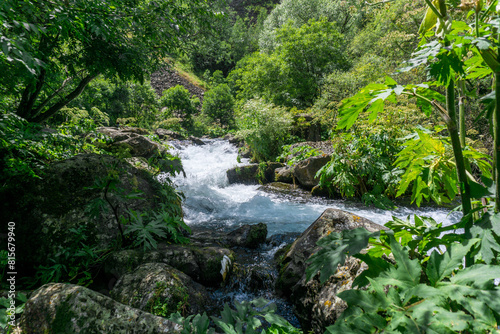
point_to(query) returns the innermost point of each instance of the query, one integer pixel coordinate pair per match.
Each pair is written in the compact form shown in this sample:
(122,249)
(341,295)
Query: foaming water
(212,202)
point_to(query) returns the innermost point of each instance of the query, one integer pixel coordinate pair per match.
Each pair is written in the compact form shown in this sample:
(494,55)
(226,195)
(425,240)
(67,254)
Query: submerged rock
(68,309)
(253,173)
(160,289)
(317,305)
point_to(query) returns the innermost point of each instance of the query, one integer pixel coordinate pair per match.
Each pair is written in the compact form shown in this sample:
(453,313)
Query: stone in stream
(305,170)
(70,309)
(249,236)
(317,305)
(202,264)
(133,140)
(160,289)
(253,173)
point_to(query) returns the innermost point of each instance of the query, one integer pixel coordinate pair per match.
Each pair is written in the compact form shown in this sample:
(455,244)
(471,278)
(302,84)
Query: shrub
(264,127)
(362,167)
(178,101)
(218,104)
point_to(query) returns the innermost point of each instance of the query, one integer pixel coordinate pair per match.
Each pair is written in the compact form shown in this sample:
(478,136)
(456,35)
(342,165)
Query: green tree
(56,48)
(291,75)
(218,104)
(298,12)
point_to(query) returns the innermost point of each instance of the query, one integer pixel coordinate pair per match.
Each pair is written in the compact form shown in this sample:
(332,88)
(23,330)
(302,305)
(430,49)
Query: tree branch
(67,99)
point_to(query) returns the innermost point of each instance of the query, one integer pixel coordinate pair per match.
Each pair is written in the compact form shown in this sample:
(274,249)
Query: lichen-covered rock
(58,308)
(316,305)
(284,174)
(168,134)
(249,236)
(130,139)
(59,203)
(305,170)
(160,289)
(188,259)
(253,173)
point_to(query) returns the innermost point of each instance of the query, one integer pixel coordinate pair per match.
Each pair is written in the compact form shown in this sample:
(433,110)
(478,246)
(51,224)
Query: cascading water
(212,202)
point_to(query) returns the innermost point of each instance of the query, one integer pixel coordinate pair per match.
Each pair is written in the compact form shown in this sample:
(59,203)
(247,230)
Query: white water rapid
(212,202)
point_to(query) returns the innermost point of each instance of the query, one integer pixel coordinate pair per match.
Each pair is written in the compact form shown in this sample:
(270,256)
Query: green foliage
(412,284)
(75,116)
(119,99)
(57,48)
(20,300)
(362,166)
(26,148)
(179,102)
(293,155)
(74,262)
(264,127)
(291,74)
(298,12)
(147,228)
(218,104)
(233,38)
(246,318)
(430,167)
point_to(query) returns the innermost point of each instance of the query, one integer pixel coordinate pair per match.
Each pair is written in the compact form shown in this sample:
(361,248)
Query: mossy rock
(254,173)
(160,289)
(58,308)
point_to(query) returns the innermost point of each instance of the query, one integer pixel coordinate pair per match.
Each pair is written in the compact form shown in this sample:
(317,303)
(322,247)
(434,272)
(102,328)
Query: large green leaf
(335,248)
(480,276)
(488,230)
(376,265)
(407,273)
(440,266)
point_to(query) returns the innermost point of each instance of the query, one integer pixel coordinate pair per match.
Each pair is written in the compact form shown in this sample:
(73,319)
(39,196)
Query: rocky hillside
(167,78)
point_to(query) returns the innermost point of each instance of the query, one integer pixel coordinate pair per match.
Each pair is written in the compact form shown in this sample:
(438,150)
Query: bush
(218,104)
(362,167)
(264,127)
(178,101)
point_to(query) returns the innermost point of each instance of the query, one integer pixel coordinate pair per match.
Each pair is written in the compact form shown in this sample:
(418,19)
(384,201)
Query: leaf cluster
(416,281)
(247,317)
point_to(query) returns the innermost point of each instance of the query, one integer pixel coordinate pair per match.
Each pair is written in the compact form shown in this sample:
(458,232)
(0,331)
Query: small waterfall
(211,201)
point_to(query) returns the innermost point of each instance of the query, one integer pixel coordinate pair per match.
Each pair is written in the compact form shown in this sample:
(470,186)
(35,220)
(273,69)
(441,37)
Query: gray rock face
(69,309)
(253,173)
(305,170)
(132,139)
(284,174)
(202,264)
(317,305)
(250,236)
(168,134)
(160,289)
(58,203)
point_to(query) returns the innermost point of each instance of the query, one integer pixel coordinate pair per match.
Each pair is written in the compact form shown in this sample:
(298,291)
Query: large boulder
(168,134)
(133,141)
(202,264)
(305,170)
(317,305)
(160,289)
(68,309)
(253,173)
(58,204)
(284,174)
